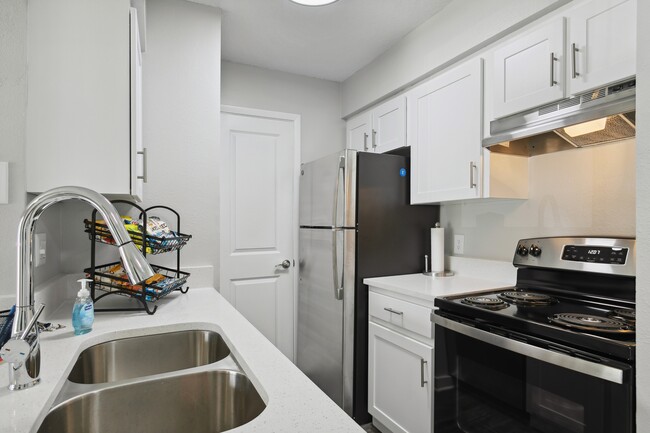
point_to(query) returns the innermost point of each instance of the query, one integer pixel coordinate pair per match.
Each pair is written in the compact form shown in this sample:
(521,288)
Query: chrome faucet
(23,351)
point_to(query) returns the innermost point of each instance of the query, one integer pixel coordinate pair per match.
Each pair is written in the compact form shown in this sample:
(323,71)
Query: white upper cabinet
(379,130)
(389,125)
(138,152)
(84,102)
(602,38)
(550,63)
(358,131)
(444,129)
(529,71)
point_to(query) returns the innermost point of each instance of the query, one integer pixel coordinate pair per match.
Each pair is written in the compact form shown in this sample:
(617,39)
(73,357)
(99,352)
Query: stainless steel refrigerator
(355,223)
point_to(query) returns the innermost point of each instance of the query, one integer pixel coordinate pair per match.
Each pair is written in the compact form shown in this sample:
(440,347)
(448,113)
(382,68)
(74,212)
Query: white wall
(461,28)
(13,94)
(643,217)
(317,101)
(581,192)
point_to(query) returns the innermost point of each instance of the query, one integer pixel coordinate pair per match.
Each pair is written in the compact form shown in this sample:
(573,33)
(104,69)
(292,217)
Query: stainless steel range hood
(601,116)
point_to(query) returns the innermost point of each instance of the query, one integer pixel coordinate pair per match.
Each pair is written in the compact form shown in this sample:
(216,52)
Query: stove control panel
(595,254)
(615,256)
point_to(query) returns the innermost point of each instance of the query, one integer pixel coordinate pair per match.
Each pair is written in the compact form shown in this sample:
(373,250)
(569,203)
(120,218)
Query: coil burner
(624,314)
(528,299)
(485,302)
(591,323)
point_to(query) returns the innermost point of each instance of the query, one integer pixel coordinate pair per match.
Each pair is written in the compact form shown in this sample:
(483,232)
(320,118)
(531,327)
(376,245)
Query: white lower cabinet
(399,376)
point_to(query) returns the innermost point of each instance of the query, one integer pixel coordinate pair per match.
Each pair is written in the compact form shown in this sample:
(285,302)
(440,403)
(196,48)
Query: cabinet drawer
(405,314)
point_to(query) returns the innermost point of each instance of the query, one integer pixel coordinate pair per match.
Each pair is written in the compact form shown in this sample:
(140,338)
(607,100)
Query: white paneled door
(259,172)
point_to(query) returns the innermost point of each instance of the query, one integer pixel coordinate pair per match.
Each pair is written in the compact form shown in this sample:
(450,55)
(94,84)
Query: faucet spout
(135,265)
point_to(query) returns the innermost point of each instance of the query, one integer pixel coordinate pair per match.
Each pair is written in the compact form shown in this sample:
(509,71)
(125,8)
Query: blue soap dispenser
(83,312)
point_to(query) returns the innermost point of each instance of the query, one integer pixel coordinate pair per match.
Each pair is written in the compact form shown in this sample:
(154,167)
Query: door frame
(224,207)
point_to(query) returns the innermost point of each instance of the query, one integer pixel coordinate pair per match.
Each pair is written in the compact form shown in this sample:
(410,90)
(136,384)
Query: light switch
(4,182)
(40,249)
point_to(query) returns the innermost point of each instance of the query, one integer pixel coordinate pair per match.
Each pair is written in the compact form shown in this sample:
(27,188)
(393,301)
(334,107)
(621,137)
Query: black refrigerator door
(392,239)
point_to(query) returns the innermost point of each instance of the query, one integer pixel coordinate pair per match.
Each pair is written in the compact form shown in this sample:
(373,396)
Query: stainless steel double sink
(185,381)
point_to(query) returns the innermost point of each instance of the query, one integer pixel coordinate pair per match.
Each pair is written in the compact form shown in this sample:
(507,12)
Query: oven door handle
(604,372)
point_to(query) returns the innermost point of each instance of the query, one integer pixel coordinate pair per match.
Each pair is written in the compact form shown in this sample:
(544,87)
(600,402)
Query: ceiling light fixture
(313,2)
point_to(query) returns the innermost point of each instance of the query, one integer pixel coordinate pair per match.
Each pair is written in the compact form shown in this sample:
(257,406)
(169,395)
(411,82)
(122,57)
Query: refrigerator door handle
(335,208)
(338,288)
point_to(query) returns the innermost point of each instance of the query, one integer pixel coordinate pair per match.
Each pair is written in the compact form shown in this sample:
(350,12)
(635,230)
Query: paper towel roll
(437,249)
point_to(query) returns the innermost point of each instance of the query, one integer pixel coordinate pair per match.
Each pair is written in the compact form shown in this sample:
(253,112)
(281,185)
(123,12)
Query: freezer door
(328,191)
(325,336)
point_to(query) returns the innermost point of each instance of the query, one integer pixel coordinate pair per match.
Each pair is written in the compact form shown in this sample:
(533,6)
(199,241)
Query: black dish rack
(102,279)
(5,326)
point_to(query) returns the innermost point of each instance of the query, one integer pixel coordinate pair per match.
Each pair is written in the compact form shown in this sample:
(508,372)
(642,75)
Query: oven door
(488,383)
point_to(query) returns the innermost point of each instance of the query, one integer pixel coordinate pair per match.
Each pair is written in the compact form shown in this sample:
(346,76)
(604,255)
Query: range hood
(600,116)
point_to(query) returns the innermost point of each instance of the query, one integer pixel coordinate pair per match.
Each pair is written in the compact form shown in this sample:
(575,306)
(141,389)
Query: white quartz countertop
(423,289)
(294,403)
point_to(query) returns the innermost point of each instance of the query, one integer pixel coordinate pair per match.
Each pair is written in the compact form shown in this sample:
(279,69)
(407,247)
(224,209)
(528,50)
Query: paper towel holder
(439,274)
(435,274)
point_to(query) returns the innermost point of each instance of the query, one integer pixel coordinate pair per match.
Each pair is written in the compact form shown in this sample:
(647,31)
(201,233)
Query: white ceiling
(330,42)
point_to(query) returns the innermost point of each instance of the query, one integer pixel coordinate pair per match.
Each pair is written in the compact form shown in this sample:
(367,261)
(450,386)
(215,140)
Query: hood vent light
(607,130)
(600,116)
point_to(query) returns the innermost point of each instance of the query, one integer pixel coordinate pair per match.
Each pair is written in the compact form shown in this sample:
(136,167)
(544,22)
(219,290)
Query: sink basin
(209,401)
(130,358)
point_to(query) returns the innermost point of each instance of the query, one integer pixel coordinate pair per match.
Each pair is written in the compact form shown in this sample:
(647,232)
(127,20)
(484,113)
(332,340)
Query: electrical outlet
(40,249)
(459,244)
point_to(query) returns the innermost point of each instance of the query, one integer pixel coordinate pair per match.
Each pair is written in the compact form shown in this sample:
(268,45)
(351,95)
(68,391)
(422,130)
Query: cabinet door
(78,119)
(444,129)
(602,38)
(389,125)
(358,132)
(138,175)
(399,381)
(529,71)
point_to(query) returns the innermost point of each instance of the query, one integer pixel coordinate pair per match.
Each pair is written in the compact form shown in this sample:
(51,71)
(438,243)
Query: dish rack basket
(5,321)
(102,280)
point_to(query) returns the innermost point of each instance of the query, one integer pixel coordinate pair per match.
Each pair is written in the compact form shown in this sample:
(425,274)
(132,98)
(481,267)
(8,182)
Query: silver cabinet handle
(574,70)
(143,152)
(472,182)
(284,265)
(365,141)
(374,139)
(390,310)
(553,60)
(422,381)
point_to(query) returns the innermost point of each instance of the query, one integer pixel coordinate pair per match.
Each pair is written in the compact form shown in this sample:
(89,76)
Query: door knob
(284,265)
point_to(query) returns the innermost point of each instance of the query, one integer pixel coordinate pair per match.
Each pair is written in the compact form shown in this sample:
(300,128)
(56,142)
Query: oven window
(481,388)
